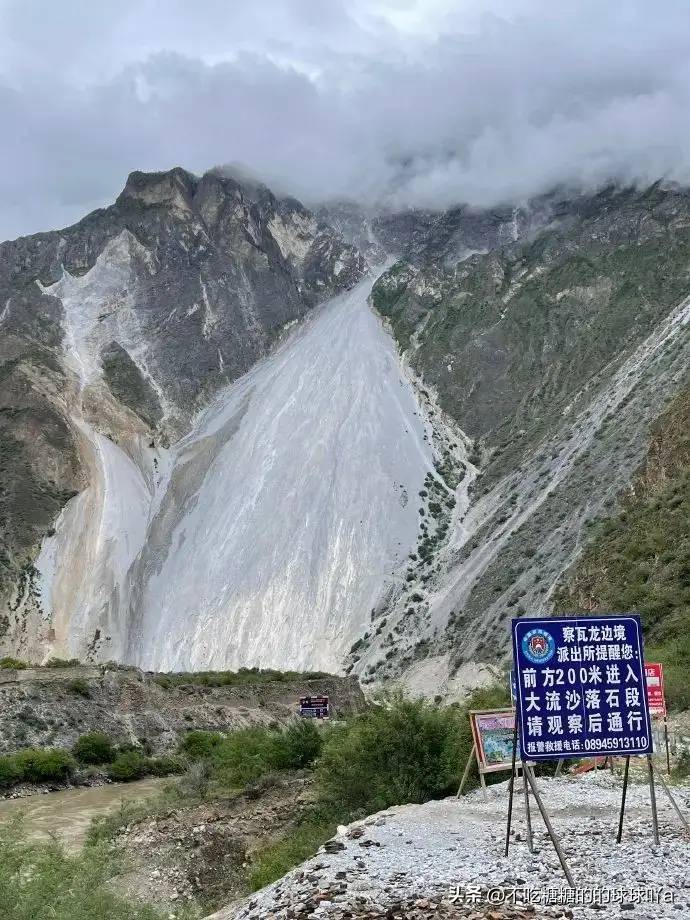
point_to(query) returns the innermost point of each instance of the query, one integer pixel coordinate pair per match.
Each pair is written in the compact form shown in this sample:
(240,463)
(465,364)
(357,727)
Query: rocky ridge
(52,707)
(555,353)
(115,332)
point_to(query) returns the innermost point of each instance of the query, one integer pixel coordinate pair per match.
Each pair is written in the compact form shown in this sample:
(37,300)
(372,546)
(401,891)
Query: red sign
(654,674)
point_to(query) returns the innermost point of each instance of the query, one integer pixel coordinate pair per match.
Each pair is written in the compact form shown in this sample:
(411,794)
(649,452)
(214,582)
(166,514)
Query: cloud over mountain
(419,102)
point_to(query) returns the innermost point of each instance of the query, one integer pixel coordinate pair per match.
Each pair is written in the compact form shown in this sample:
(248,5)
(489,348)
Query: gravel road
(422,860)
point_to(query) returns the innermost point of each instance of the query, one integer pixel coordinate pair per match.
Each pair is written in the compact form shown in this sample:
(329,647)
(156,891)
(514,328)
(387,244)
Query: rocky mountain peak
(173,187)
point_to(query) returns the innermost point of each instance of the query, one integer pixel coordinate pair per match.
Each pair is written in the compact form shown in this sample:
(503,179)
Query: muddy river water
(67,814)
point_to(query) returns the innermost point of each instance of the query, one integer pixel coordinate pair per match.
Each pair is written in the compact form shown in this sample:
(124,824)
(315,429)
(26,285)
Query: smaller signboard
(493,738)
(654,675)
(314,707)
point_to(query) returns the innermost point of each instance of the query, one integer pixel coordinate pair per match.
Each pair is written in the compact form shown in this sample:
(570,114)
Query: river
(67,814)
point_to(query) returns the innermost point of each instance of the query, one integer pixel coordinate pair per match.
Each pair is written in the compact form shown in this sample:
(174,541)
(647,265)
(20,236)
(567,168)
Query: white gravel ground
(428,850)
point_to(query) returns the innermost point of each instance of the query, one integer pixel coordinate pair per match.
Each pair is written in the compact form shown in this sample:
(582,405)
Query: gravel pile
(445,859)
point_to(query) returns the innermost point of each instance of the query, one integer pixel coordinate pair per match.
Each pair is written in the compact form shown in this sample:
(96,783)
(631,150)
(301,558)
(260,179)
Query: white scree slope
(277,522)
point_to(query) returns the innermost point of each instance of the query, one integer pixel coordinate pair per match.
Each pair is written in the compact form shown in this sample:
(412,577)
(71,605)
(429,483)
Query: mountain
(115,333)
(260,435)
(555,352)
(639,558)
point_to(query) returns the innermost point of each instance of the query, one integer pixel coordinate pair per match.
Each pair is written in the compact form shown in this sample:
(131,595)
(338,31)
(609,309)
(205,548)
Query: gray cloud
(414,102)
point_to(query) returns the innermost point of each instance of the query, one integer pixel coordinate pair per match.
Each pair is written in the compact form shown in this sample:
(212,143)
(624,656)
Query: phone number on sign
(613,744)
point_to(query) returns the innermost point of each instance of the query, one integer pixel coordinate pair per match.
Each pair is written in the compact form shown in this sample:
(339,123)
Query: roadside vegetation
(40,881)
(244,676)
(395,752)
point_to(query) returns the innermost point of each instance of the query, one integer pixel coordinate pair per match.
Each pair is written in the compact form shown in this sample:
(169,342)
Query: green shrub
(40,766)
(94,748)
(128,766)
(62,663)
(298,746)
(12,664)
(165,766)
(79,687)
(199,744)
(244,756)
(243,677)
(392,754)
(402,751)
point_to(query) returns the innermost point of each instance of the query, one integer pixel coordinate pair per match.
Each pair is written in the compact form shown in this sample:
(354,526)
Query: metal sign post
(528,816)
(552,834)
(511,788)
(623,798)
(668,749)
(673,802)
(511,794)
(652,795)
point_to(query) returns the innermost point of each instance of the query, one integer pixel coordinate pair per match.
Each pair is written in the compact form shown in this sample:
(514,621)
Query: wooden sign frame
(483,761)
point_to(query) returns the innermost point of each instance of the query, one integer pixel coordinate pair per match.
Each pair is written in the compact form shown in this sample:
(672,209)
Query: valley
(277,455)
(345,460)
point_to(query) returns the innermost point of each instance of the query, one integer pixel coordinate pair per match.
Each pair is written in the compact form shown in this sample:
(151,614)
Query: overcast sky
(415,102)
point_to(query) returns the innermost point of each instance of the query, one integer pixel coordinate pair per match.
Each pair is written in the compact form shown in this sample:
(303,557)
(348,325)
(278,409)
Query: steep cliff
(555,353)
(115,333)
(639,558)
(231,464)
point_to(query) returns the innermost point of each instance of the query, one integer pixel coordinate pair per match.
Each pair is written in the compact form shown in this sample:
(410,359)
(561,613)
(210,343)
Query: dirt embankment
(199,853)
(46,707)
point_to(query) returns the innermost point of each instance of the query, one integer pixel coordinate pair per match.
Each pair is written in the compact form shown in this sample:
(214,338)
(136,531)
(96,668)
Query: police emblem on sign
(538,646)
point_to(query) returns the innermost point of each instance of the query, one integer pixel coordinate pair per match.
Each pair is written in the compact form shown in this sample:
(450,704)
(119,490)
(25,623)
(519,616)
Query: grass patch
(243,677)
(40,881)
(273,861)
